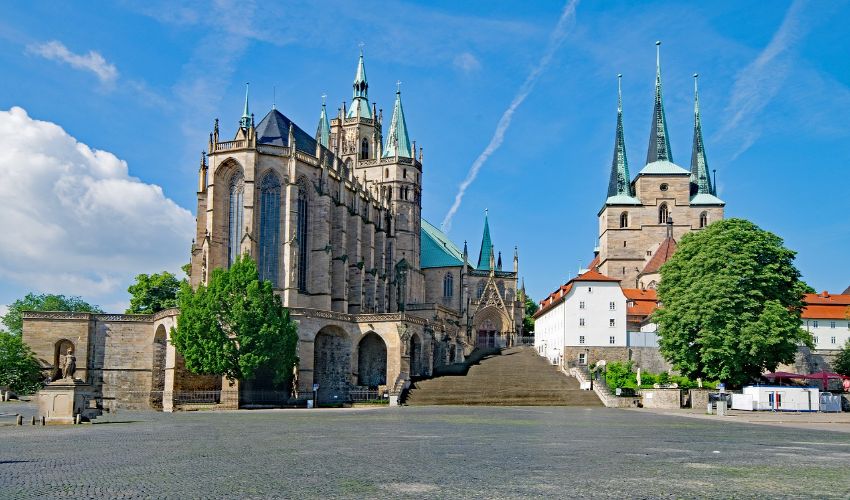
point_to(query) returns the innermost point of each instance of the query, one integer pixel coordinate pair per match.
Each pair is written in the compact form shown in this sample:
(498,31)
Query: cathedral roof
(704,193)
(486,251)
(398,142)
(323,131)
(659,139)
(360,97)
(706,199)
(663,167)
(274,129)
(437,250)
(620,185)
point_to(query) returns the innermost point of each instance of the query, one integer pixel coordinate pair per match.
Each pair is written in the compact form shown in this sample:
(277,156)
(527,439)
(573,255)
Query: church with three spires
(642,218)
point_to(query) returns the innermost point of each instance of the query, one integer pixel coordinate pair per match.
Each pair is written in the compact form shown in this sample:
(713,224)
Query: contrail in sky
(555,40)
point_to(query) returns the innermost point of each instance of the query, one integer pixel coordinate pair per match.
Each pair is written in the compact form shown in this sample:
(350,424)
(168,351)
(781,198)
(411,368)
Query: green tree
(528,319)
(235,326)
(730,300)
(153,293)
(842,361)
(20,371)
(43,302)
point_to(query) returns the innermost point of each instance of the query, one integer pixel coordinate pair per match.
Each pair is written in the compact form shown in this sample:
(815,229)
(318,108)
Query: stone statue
(69,366)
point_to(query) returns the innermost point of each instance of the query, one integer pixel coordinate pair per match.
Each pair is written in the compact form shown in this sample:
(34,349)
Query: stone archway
(332,364)
(371,361)
(61,350)
(158,367)
(415,356)
(490,328)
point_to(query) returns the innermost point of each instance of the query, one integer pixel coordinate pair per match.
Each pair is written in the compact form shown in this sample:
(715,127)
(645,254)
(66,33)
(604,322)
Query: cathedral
(333,220)
(642,218)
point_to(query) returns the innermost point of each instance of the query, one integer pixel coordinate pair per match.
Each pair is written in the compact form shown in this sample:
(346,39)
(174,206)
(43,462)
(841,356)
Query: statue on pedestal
(69,365)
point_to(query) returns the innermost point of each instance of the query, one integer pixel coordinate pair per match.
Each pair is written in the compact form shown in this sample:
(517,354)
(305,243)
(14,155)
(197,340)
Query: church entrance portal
(372,361)
(486,335)
(332,365)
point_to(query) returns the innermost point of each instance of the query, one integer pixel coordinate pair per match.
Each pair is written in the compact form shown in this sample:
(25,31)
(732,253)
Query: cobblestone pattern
(435,452)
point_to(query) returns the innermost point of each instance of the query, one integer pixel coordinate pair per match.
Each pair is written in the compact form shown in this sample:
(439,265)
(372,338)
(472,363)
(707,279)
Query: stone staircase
(513,377)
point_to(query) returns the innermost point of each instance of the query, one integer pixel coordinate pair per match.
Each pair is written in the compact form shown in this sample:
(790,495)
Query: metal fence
(368,396)
(526,340)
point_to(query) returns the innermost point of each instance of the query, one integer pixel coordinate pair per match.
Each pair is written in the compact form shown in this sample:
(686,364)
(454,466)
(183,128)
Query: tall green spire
(360,98)
(398,143)
(659,140)
(486,253)
(619,185)
(699,164)
(323,132)
(245,121)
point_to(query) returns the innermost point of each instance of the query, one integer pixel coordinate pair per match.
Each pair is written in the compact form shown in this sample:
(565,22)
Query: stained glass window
(269,228)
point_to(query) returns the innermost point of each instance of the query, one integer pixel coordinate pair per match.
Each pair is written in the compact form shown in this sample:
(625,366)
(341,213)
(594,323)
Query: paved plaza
(470,452)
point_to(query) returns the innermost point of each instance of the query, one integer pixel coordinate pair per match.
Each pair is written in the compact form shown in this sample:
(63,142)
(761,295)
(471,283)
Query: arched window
(269,228)
(703,219)
(480,289)
(301,236)
(624,219)
(448,285)
(663,214)
(386,173)
(236,204)
(364,149)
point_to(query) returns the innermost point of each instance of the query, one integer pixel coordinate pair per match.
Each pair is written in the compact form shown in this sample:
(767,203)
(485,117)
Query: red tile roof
(662,255)
(556,297)
(640,302)
(826,306)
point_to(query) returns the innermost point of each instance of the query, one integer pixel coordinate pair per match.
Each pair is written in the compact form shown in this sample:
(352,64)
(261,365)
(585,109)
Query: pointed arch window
(364,149)
(448,285)
(302,235)
(624,219)
(703,219)
(480,289)
(269,228)
(663,214)
(236,192)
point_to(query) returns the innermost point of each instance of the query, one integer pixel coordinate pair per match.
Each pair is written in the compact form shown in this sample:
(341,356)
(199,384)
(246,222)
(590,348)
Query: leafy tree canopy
(527,320)
(729,303)
(43,302)
(20,371)
(235,326)
(153,293)
(842,361)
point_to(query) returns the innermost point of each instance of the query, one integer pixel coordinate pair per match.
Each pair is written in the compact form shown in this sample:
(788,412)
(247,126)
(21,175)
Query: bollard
(721,408)
(43,421)
(20,420)
(78,418)
(708,411)
(33,420)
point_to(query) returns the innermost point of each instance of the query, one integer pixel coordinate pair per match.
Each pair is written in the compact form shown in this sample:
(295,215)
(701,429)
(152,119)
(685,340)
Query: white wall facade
(591,314)
(828,333)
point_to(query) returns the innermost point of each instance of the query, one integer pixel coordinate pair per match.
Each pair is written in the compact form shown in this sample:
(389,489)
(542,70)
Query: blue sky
(144,82)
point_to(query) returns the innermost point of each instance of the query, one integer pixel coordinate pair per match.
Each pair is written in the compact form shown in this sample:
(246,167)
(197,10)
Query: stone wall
(122,361)
(661,398)
(810,361)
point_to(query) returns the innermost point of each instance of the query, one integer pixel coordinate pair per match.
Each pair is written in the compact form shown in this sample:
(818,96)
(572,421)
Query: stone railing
(84,316)
(308,159)
(271,149)
(230,145)
(356,318)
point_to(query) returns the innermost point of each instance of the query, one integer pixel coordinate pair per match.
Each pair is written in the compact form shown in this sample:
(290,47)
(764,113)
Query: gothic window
(364,150)
(346,167)
(703,219)
(302,236)
(404,173)
(269,228)
(448,285)
(235,216)
(624,219)
(663,214)
(386,173)
(389,256)
(480,289)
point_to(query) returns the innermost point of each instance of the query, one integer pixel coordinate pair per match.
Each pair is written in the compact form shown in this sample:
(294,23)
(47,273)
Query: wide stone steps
(514,377)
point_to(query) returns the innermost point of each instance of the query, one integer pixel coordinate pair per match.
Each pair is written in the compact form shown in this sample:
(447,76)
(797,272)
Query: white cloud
(93,61)
(467,62)
(74,220)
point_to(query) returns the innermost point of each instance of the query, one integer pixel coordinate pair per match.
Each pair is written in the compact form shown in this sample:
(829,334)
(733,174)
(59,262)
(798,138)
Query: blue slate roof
(437,250)
(663,167)
(274,129)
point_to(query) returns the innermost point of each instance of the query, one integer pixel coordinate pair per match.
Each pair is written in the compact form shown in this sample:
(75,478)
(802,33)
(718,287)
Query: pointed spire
(323,132)
(245,121)
(486,253)
(398,143)
(700,180)
(360,98)
(499,262)
(619,183)
(659,140)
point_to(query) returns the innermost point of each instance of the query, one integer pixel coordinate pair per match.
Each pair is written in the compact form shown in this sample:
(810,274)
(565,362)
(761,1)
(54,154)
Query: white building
(825,317)
(587,312)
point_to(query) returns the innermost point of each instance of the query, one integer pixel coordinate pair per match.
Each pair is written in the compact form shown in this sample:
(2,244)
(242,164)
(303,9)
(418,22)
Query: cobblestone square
(470,452)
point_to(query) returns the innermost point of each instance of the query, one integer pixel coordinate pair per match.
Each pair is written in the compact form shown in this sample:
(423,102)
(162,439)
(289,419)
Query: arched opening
(236,190)
(663,214)
(158,367)
(372,361)
(703,219)
(332,364)
(269,228)
(415,356)
(624,219)
(364,149)
(302,236)
(487,334)
(61,350)
(448,285)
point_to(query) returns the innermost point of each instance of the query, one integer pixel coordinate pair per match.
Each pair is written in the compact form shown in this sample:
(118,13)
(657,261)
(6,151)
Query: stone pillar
(368,252)
(320,263)
(339,269)
(381,266)
(355,272)
(289,212)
